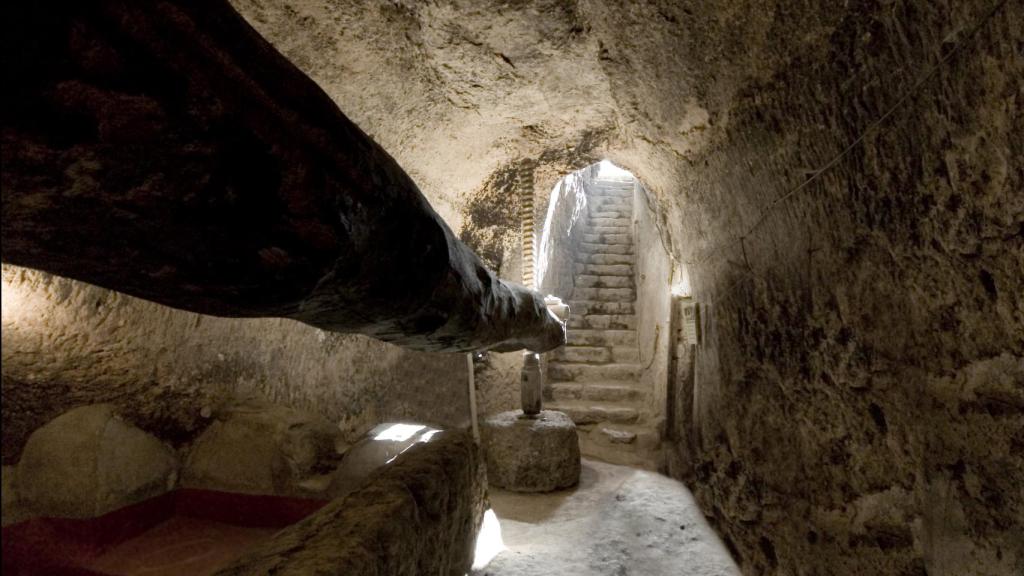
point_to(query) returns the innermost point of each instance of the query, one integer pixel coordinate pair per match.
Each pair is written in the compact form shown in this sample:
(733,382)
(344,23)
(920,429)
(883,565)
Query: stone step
(605,294)
(585,412)
(610,229)
(608,239)
(592,248)
(595,354)
(625,354)
(640,436)
(602,337)
(584,307)
(580,269)
(627,222)
(581,372)
(611,205)
(603,321)
(594,281)
(610,391)
(610,213)
(605,269)
(623,198)
(606,192)
(605,259)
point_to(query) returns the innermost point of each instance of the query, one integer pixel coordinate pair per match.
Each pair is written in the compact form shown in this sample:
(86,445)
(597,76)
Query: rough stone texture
(531,454)
(497,384)
(127,119)
(88,462)
(858,404)
(856,407)
(618,521)
(66,343)
(419,516)
(889,280)
(261,448)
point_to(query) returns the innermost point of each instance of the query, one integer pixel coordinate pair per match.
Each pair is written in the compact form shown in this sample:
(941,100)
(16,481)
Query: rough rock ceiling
(454,90)
(451,90)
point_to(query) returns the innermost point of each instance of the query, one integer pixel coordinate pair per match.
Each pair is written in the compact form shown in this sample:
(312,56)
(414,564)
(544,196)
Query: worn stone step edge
(604,269)
(585,412)
(603,321)
(601,248)
(605,294)
(600,354)
(589,372)
(604,281)
(602,391)
(613,336)
(584,306)
(605,259)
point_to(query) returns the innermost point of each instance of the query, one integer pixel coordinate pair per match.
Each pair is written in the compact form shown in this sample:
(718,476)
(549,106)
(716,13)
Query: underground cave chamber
(270,270)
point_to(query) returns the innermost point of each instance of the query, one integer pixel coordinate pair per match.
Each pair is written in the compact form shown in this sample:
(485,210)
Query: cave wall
(653,301)
(854,238)
(66,343)
(856,401)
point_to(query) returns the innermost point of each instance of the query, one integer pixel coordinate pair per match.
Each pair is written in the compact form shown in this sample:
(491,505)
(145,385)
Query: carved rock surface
(261,448)
(853,405)
(537,454)
(88,462)
(419,516)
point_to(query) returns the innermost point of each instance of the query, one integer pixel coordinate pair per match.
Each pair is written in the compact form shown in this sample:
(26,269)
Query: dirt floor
(619,521)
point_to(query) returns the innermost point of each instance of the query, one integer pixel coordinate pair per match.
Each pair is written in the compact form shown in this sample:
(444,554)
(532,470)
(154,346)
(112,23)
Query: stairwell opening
(601,252)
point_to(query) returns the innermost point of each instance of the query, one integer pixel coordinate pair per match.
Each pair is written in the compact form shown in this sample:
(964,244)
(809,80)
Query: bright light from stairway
(488,542)
(610,171)
(681,281)
(399,432)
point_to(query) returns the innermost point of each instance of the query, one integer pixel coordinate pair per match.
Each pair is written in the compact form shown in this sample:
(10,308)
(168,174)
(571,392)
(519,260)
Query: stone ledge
(419,516)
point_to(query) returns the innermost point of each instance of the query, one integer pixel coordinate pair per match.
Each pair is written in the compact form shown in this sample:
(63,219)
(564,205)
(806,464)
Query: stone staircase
(595,378)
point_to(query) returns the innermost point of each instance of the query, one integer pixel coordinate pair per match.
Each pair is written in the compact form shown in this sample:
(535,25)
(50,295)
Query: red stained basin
(187,531)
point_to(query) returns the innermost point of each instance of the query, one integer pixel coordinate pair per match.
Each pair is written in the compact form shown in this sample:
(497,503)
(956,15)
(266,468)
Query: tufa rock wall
(66,343)
(854,236)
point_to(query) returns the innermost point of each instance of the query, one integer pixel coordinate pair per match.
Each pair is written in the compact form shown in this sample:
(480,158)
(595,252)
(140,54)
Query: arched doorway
(601,252)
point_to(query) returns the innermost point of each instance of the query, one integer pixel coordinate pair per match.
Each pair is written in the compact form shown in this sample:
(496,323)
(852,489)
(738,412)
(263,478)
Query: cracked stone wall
(859,396)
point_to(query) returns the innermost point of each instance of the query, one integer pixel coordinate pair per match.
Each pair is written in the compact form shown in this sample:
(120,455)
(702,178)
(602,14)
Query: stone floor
(619,521)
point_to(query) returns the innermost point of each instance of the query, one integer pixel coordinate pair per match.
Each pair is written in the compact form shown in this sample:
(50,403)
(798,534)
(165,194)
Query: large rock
(531,454)
(88,461)
(419,516)
(262,448)
(379,447)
